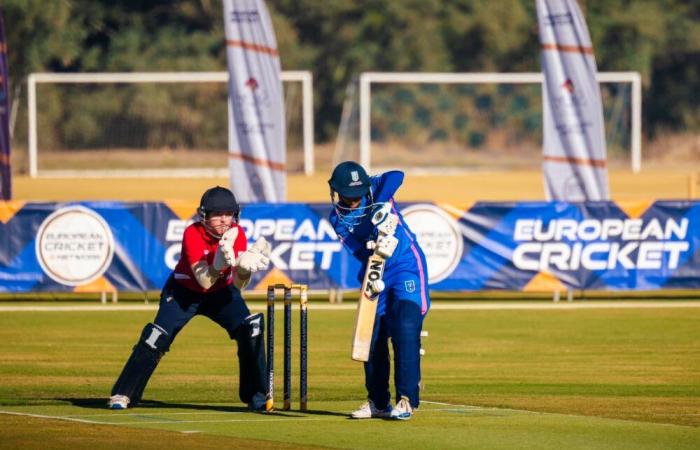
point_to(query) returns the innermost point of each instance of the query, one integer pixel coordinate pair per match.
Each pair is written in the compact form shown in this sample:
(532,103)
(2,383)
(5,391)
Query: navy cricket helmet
(350,180)
(218,199)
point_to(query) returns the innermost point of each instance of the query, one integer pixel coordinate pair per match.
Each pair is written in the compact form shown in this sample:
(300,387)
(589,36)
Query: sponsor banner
(531,246)
(96,246)
(596,245)
(5,168)
(574,149)
(257,136)
(74,246)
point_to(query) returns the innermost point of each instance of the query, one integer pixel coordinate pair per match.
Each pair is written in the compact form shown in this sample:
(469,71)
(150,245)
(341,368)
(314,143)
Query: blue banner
(530,246)
(5,167)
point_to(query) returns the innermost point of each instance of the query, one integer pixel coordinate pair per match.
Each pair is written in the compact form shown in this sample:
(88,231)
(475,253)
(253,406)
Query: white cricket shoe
(369,411)
(118,402)
(402,410)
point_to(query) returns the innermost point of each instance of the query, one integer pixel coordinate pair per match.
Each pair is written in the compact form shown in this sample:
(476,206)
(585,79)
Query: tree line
(338,39)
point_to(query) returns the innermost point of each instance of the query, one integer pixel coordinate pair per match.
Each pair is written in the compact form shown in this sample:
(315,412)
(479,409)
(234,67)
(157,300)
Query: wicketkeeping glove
(262,246)
(225,256)
(255,258)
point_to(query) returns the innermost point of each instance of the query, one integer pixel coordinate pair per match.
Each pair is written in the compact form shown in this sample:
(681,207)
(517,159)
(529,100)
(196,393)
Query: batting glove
(386,245)
(385,220)
(388,225)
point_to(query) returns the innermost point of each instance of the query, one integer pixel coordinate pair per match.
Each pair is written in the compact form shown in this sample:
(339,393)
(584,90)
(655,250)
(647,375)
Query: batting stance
(403,293)
(215,265)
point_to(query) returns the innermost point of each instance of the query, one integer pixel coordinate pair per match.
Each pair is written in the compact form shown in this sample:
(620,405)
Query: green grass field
(494,379)
(538,378)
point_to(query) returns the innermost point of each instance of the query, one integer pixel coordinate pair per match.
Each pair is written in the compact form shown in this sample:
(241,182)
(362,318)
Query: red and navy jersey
(198,245)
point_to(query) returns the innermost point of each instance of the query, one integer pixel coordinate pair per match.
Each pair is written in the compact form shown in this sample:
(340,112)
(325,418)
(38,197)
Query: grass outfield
(545,378)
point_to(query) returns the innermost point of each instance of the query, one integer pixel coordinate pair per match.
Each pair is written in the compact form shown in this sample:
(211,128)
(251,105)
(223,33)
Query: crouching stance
(215,265)
(402,293)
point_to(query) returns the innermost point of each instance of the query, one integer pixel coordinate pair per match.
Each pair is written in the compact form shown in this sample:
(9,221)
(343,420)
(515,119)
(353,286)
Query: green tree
(338,39)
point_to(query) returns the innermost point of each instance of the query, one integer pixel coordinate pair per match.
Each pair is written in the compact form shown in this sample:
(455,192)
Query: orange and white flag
(257,135)
(574,150)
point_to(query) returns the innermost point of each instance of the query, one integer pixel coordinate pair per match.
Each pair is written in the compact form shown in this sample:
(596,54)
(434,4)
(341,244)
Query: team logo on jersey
(74,246)
(410,285)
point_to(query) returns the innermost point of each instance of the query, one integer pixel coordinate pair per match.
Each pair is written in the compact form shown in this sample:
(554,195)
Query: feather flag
(574,149)
(257,136)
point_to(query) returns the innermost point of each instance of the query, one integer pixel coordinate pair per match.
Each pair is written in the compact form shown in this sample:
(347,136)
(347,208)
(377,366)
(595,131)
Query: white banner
(257,136)
(574,151)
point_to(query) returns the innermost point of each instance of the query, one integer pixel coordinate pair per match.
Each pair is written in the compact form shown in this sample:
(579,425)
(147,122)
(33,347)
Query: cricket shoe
(402,410)
(258,402)
(118,402)
(369,411)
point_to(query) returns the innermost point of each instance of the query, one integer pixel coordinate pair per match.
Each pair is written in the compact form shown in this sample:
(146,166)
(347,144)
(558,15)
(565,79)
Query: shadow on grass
(144,405)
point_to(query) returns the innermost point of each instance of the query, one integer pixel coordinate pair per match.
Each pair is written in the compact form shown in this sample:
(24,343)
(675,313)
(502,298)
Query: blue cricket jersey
(405,272)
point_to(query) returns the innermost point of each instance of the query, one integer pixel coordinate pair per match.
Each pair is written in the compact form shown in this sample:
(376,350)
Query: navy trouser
(402,322)
(178,305)
(226,307)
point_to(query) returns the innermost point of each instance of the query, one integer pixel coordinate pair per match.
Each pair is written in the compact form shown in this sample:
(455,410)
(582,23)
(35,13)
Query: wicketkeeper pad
(251,357)
(144,359)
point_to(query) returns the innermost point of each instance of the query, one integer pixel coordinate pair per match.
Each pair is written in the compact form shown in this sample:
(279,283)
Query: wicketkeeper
(403,293)
(215,265)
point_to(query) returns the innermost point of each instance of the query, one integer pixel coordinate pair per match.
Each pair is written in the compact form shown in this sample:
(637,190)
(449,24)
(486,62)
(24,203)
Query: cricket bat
(386,222)
(366,310)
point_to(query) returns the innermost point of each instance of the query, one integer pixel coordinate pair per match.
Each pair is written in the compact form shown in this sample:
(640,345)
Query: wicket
(303,344)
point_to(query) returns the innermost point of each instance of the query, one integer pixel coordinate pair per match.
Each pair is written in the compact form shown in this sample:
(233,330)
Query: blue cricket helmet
(350,180)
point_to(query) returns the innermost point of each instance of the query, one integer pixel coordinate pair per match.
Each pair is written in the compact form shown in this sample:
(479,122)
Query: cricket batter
(215,265)
(403,300)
